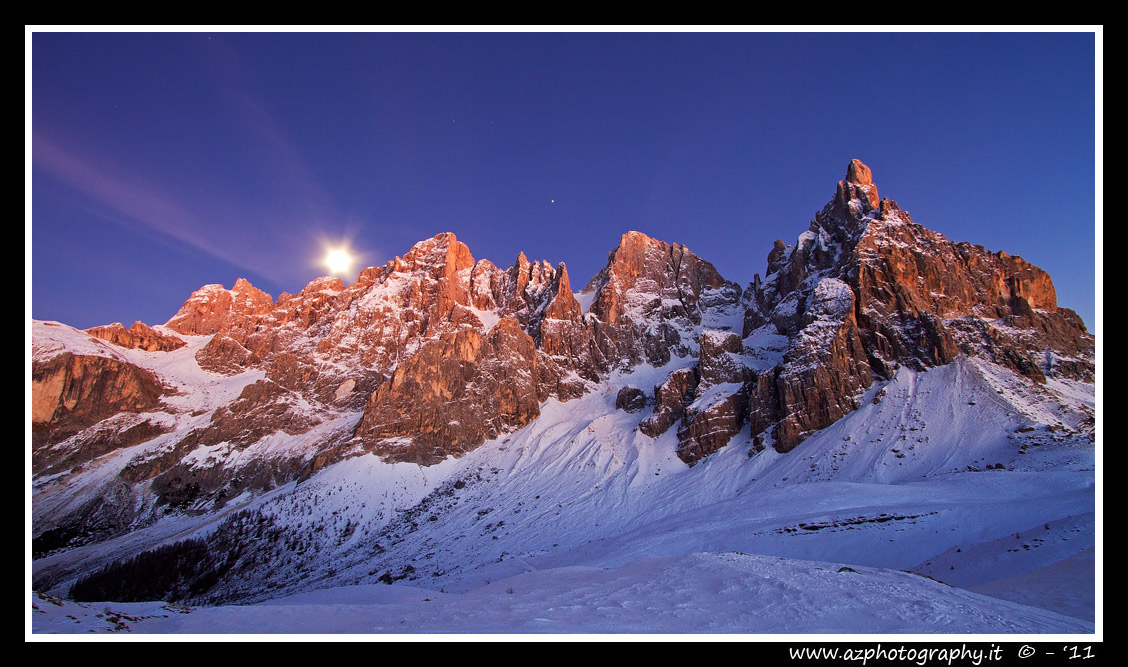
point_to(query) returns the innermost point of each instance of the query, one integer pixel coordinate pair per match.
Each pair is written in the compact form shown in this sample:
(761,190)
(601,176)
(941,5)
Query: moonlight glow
(338,260)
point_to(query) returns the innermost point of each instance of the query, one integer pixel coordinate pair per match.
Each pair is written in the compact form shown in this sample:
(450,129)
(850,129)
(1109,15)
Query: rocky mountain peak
(865,290)
(213,308)
(526,282)
(441,255)
(564,305)
(250,300)
(645,278)
(856,197)
(324,283)
(857,172)
(242,285)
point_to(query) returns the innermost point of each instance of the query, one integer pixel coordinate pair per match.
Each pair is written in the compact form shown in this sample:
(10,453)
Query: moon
(338,261)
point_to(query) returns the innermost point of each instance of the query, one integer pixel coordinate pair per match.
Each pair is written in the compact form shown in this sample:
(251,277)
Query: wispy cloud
(140,201)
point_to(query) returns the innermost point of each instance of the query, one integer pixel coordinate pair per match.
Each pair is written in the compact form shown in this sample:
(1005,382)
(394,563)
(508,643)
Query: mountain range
(883,400)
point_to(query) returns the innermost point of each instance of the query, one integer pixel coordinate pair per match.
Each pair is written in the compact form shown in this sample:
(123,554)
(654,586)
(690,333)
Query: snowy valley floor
(697,593)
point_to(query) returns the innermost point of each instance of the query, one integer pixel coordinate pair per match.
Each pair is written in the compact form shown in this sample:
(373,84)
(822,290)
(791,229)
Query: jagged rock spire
(858,172)
(858,186)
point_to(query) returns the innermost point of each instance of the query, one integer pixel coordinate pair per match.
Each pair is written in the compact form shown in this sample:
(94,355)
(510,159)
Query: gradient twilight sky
(162,162)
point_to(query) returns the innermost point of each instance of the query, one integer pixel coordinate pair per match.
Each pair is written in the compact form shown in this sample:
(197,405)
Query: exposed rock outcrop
(212,308)
(225,356)
(630,399)
(719,359)
(139,336)
(710,423)
(718,407)
(648,301)
(71,392)
(117,432)
(646,279)
(670,401)
(452,395)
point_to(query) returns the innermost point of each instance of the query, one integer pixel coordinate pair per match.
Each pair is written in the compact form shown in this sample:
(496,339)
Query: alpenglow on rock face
(865,289)
(435,353)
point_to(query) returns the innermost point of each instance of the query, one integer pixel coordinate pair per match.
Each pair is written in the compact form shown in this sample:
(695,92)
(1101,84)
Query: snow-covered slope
(581,490)
(695,593)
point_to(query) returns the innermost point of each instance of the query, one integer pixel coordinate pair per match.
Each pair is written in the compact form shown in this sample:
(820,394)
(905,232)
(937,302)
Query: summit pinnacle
(858,172)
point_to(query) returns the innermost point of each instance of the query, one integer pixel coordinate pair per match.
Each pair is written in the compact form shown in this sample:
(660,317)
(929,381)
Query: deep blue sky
(166,161)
